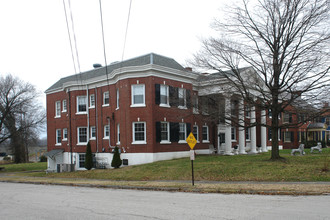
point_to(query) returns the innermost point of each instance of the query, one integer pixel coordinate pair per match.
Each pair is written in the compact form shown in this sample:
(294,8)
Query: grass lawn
(311,167)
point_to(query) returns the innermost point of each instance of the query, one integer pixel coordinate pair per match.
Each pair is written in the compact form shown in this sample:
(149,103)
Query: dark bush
(89,157)
(116,161)
(43,158)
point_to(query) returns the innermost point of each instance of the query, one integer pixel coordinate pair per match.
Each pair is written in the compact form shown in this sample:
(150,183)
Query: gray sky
(34,43)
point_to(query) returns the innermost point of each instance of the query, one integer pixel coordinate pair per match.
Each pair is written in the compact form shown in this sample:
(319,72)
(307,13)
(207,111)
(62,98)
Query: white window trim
(132,96)
(92,138)
(82,143)
(105,105)
(168,133)
(66,105)
(104,132)
(57,113)
(185,134)
(145,133)
(117,99)
(208,134)
(65,139)
(167,104)
(184,106)
(233,140)
(77,105)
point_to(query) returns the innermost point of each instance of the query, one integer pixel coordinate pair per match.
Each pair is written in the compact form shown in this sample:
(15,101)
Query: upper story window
(64,105)
(287,117)
(117,98)
(81,104)
(138,95)
(164,97)
(182,98)
(270,113)
(106,98)
(195,105)
(118,133)
(205,133)
(247,112)
(92,101)
(57,109)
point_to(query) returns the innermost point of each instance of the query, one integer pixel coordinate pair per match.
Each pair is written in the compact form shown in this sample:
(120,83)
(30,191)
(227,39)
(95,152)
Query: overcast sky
(34,42)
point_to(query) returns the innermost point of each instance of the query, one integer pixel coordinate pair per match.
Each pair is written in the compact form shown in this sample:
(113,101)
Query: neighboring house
(147,106)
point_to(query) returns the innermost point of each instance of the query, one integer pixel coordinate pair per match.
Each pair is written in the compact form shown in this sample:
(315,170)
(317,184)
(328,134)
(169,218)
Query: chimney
(97,65)
(188,69)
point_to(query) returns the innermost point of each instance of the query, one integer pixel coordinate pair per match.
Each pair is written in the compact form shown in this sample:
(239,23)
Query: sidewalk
(262,188)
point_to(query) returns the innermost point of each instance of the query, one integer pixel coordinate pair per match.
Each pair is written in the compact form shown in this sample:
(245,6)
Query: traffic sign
(191,140)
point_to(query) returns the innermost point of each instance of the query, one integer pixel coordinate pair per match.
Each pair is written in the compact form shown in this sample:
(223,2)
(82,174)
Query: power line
(104,53)
(129,13)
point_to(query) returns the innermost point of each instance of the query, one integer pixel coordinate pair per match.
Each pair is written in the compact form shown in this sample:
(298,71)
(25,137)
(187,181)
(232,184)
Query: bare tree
(286,43)
(21,116)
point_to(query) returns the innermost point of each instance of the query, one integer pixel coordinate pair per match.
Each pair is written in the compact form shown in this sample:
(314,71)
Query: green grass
(24,167)
(311,167)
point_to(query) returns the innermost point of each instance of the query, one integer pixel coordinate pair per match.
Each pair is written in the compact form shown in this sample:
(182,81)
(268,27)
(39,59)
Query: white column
(228,150)
(241,130)
(263,132)
(253,131)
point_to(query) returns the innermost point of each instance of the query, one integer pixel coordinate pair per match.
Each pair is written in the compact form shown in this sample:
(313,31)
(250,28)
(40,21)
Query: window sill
(57,117)
(117,108)
(64,139)
(165,105)
(91,107)
(139,142)
(92,139)
(205,142)
(182,142)
(137,105)
(105,105)
(81,113)
(233,141)
(82,144)
(58,144)
(182,107)
(165,142)
(195,112)
(64,111)
(118,143)
(105,138)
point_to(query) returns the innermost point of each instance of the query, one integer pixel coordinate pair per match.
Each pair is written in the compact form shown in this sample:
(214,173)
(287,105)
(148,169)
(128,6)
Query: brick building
(146,106)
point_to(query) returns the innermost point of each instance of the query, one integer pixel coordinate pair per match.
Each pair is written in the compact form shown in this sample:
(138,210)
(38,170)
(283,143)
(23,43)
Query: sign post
(191,140)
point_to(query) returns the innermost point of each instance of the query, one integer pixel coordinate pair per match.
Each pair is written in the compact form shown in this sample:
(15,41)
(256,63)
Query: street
(28,201)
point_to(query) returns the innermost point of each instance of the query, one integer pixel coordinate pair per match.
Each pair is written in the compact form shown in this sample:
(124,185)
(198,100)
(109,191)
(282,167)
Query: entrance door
(221,142)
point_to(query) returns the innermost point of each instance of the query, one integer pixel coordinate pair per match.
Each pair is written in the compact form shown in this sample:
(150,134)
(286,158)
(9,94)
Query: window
(247,112)
(195,132)
(270,113)
(106,132)
(195,104)
(138,97)
(117,96)
(139,133)
(165,132)
(106,99)
(65,134)
(58,137)
(248,134)
(82,158)
(164,97)
(64,105)
(81,104)
(118,133)
(92,101)
(57,109)
(93,132)
(233,133)
(233,108)
(182,132)
(287,136)
(182,98)
(287,118)
(205,134)
(82,135)
(205,105)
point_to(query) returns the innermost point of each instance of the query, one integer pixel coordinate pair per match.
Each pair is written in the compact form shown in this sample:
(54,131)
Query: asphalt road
(28,201)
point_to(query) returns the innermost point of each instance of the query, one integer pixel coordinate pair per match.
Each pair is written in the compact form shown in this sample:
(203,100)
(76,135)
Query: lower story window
(233,133)
(82,135)
(82,158)
(139,132)
(195,131)
(205,133)
(164,129)
(58,136)
(247,133)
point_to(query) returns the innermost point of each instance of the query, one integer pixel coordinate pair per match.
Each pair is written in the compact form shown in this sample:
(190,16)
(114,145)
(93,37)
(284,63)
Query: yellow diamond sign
(191,140)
